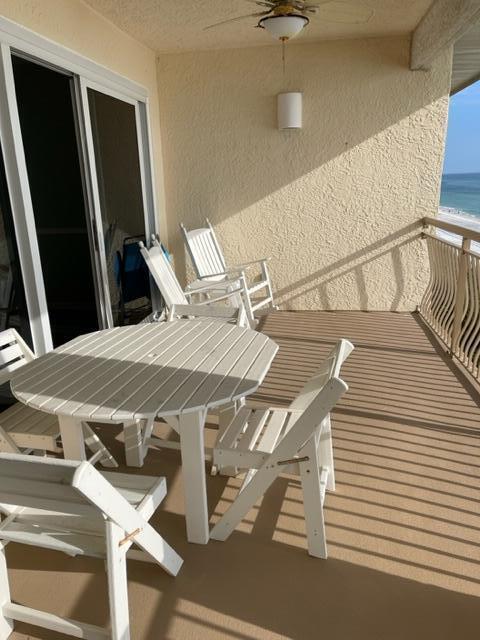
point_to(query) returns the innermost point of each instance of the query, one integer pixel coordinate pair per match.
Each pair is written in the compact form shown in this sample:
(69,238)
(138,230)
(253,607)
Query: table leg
(71,432)
(193,471)
(134,449)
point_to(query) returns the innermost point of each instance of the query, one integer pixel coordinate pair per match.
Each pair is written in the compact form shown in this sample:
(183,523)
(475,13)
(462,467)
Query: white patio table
(131,375)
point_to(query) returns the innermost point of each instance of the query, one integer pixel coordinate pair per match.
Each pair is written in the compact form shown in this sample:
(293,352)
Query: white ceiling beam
(443,24)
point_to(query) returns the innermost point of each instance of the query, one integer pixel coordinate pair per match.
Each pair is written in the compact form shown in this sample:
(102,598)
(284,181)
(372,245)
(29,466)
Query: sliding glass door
(113,130)
(45,100)
(74,139)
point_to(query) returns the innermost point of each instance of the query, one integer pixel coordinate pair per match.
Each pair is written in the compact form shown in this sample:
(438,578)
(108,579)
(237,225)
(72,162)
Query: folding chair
(209,263)
(296,440)
(24,428)
(71,507)
(178,302)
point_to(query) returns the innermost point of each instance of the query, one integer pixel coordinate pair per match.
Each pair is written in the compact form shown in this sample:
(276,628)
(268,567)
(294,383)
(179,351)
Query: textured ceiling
(466,59)
(175,25)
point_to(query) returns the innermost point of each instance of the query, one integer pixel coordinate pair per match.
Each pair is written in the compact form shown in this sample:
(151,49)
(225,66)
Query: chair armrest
(204,311)
(248,265)
(221,284)
(214,275)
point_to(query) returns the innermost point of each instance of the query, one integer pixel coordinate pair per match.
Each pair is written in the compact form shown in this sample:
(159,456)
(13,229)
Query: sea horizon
(460,193)
(462,173)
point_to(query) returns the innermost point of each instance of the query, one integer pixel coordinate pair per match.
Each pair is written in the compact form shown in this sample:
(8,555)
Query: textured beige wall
(75,25)
(335,205)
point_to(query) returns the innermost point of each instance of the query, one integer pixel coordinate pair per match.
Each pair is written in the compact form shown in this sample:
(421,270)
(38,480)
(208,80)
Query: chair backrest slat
(163,274)
(29,481)
(59,486)
(317,410)
(204,251)
(14,353)
(323,390)
(330,368)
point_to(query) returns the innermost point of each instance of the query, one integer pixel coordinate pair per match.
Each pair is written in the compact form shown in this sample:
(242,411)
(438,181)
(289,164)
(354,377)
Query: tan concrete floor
(403,526)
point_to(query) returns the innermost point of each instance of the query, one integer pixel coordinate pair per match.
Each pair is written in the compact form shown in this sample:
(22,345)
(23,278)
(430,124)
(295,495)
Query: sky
(462,154)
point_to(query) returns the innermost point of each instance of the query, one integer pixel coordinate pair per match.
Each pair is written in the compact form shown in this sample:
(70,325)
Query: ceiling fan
(284,19)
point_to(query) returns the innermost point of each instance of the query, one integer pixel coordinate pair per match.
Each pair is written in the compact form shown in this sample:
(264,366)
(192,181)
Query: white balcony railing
(451,304)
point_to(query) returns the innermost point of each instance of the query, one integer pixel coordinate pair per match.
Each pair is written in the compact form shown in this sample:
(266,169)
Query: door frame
(86,73)
(148,197)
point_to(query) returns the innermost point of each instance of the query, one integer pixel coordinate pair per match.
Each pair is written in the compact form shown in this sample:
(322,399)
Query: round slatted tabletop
(147,370)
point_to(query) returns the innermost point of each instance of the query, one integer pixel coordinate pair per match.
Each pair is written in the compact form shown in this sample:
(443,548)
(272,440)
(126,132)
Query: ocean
(460,198)
(461,193)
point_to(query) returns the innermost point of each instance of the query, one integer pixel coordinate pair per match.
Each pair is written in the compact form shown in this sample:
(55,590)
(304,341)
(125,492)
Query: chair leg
(226,413)
(93,442)
(313,500)
(266,277)
(325,451)
(6,624)
(248,309)
(117,583)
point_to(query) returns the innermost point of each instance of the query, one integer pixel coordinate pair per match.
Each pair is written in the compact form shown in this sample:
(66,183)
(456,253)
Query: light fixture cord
(283,55)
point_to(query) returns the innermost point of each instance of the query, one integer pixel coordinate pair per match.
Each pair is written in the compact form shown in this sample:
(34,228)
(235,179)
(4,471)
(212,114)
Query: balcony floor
(403,527)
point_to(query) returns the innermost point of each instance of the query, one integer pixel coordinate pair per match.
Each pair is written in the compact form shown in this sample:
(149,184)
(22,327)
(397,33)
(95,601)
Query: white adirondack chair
(295,440)
(25,429)
(71,507)
(179,302)
(209,264)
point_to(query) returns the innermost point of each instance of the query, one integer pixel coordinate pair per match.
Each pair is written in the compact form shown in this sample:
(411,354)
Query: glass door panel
(120,190)
(45,100)
(13,306)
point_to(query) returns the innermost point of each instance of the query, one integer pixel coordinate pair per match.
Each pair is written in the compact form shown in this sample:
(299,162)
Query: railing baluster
(451,302)
(460,295)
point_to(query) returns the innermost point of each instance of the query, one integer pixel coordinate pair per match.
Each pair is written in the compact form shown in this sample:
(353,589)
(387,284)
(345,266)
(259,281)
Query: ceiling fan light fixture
(284,27)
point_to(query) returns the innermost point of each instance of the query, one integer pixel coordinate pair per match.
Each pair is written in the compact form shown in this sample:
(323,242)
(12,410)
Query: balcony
(402,526)
(119,121)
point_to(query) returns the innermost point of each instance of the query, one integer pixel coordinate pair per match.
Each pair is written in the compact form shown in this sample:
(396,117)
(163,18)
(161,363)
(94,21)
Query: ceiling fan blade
(249,15)
(263,3)
(344,12)
(314,5)
(305,7)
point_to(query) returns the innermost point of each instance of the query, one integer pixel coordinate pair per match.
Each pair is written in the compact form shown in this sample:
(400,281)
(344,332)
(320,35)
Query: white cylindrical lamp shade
(289,110)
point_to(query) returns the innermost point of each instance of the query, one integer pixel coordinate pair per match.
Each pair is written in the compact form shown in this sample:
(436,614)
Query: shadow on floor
(402,527)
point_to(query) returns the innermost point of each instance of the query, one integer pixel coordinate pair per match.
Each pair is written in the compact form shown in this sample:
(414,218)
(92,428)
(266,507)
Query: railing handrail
(457,229)
(455,245)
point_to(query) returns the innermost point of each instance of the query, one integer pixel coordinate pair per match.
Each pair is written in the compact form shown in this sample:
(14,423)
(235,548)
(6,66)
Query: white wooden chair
(178,307)
(179,302)
(209,263)
(71,507)
(25,429)
(296,440)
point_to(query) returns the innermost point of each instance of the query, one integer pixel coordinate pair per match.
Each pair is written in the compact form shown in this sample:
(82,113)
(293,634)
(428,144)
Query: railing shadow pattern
(402,527)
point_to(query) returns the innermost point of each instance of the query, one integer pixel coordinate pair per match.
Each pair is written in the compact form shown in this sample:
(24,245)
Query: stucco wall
(335,205)
(75,25)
